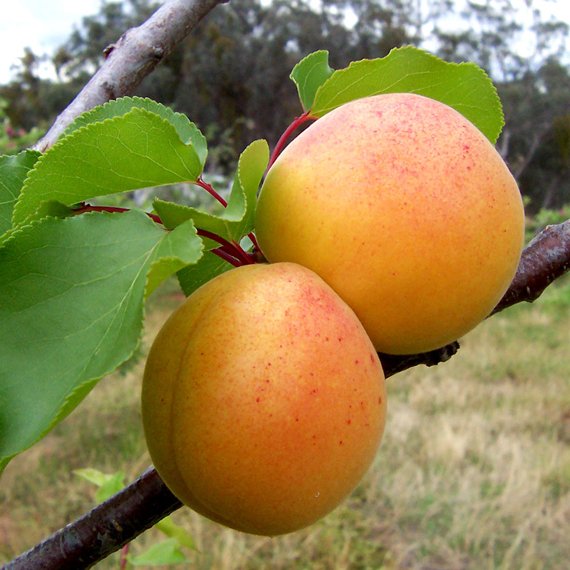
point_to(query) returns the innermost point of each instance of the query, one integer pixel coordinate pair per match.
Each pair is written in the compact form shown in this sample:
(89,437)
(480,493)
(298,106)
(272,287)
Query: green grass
(473,472)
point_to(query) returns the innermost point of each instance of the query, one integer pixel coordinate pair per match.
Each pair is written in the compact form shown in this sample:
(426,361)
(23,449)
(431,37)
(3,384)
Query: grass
(473,472)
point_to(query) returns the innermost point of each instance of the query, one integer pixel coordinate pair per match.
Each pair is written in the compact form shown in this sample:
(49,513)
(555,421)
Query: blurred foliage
(13,140)
(231,75)
(546,217)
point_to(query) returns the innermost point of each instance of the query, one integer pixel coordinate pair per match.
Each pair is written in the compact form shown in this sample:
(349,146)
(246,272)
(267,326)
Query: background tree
(224,89)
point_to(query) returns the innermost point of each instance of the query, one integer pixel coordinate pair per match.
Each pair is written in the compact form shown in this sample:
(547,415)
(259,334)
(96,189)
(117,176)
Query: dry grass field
(473,472)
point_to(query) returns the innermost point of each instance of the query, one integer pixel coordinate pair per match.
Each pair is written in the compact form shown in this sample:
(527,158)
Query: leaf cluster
(74,277)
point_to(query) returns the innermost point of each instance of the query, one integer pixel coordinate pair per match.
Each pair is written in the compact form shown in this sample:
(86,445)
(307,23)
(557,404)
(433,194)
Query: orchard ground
(473,472)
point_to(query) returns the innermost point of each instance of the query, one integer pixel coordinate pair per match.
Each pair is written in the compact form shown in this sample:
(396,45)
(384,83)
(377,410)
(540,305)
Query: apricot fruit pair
(392,224)
(263,399)
(405,209)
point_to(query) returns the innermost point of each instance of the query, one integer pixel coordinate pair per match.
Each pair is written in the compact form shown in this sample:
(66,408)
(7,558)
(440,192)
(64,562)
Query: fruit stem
(211,190)
(253,239)
(297,122)
(227,257)
(231,248)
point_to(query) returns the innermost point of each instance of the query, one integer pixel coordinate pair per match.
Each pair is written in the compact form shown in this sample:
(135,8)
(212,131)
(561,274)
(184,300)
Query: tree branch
(135,54)
(145,502)
(103,530)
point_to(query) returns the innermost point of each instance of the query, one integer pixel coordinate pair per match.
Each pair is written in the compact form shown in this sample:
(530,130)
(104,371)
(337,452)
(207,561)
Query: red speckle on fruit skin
(348,421)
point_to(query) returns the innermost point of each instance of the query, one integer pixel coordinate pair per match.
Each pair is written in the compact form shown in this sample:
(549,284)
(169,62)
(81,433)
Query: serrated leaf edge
(71,128)
(298,64)
(88,384)
(224,218)
(65,140)
(173,258)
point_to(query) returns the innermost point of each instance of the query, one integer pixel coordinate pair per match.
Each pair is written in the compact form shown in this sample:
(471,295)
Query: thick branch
(135,54)
(142,504)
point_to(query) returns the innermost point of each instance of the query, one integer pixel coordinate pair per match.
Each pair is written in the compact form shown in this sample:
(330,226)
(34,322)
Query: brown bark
(103,530)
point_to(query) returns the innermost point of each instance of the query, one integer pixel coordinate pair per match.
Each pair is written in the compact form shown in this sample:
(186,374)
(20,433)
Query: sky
(39,24)
(45,24)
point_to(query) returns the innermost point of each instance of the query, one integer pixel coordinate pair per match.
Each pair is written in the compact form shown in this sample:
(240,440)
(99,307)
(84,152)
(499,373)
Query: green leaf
(463,86)
(194,276)
(13,172)
(238,217)
(167,552)
(187,131)
(135,150)
(172,530)
(180,248)
(309,74)
(71,310)
(109,484)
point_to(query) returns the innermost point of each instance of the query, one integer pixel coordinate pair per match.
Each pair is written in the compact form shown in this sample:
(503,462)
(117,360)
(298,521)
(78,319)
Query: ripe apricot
(263,399)
(405,209)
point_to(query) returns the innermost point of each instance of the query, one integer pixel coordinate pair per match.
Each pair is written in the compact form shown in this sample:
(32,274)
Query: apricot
(263,399)
(405,209)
